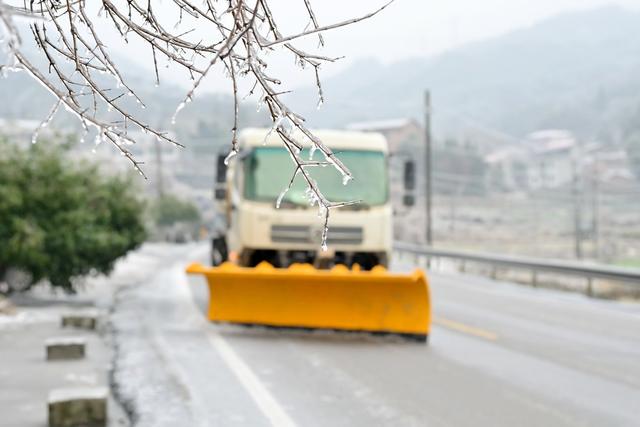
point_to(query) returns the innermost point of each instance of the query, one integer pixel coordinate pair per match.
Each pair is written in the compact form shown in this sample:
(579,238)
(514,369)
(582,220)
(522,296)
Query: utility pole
(577,208)
(428,166)
(595,206)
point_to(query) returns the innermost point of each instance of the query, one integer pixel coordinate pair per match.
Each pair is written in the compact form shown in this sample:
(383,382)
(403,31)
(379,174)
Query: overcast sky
(422,27)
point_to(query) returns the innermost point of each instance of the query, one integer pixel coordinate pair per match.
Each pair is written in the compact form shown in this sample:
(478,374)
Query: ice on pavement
(144,374)
(81,378)
(26,317)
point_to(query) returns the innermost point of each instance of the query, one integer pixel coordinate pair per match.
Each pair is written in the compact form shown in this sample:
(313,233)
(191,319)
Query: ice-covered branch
(200,35)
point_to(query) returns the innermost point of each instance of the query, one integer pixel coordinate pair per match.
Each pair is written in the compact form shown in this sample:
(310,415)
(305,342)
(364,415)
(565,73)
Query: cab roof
(334,139)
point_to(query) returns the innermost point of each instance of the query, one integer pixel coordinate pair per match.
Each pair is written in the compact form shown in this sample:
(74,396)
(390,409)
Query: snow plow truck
(268,264)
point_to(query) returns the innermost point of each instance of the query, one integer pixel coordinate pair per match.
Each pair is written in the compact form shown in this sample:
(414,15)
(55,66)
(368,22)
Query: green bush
(60,220)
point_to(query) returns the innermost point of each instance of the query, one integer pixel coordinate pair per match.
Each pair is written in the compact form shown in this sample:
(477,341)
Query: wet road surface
(499,354)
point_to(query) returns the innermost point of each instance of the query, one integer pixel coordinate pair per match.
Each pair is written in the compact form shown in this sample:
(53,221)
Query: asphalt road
(499,355)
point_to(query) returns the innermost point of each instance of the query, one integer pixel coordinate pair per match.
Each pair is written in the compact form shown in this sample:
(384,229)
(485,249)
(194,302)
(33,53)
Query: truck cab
(258,230)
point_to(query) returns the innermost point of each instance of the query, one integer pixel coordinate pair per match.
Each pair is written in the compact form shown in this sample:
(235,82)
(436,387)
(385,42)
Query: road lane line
(466,329)
(265,401)
(261,396)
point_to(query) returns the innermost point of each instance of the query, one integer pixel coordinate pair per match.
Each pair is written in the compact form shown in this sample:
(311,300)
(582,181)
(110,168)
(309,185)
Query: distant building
(609,166)
(543,160)
(507,169)
(552,157)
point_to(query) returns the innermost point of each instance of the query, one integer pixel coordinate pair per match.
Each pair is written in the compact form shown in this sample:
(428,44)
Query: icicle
(286,126)
(100,138)
(179,108)
(275,125)
(284,192)
(322,210)
(325,230)
(45,122)
(86,131)
(281,197)
(312,151)
(319,104)
(346,177)
(312,196)
(230,156)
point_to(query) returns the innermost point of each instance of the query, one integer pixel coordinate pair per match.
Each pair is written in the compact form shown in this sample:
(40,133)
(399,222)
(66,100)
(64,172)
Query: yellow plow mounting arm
(301,296)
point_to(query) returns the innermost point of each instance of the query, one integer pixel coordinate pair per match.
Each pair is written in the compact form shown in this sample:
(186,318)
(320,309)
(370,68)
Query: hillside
(577,71)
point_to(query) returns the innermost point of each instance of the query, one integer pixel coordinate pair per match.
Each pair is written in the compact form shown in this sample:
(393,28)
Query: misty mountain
(577,71)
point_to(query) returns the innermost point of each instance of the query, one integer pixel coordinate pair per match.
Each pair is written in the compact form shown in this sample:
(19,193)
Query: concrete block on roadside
(74,407)
(65,348)
(84,320)
(6,307)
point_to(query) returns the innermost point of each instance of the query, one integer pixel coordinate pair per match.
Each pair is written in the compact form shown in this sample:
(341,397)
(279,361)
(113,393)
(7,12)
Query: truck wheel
(270,256)
(366,260)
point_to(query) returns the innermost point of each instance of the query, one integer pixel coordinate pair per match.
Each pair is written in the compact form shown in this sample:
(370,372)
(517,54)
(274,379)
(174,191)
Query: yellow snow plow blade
(301,296)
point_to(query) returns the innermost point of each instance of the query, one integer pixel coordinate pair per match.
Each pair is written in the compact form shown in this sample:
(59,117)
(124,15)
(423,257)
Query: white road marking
(261,396)
(265,401)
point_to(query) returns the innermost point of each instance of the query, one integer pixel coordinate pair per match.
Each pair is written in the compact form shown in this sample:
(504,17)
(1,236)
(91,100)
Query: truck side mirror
(220,192)
(221,169)
(409,175)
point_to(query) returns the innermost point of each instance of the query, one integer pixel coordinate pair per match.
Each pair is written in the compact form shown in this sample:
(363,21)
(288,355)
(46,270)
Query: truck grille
(313,234)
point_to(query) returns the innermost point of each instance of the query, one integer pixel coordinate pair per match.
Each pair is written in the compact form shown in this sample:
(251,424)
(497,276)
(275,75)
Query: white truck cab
(258,231)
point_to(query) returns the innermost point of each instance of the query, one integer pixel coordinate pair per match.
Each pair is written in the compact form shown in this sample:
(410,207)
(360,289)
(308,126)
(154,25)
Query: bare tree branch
(237,34)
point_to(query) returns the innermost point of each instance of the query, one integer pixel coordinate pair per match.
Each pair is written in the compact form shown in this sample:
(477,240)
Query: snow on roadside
(96,290)
(146,378)
(22,317)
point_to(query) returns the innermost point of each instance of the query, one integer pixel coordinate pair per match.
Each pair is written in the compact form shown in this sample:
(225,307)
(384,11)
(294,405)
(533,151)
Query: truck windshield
(268,171)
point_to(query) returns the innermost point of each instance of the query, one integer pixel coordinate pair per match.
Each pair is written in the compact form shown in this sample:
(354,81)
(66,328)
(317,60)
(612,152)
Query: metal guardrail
(586,270)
